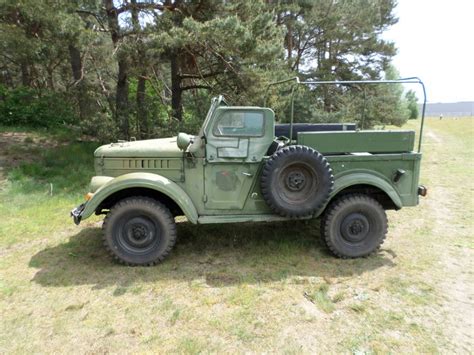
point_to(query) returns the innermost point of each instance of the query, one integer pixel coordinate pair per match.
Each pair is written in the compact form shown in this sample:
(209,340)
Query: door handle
(247,174)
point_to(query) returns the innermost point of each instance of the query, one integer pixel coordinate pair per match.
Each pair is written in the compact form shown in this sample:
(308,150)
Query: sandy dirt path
(456,260)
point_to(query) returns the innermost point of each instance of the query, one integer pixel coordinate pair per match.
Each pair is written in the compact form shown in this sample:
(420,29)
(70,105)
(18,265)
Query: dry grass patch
(247,288)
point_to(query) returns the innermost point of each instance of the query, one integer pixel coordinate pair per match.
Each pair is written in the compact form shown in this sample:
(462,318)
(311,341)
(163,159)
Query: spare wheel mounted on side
(296,181)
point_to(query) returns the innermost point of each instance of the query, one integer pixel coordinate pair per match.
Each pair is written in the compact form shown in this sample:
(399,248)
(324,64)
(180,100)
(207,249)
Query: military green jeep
(241,167)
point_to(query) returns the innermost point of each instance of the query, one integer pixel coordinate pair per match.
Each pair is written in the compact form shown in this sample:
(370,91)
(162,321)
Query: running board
(243,218)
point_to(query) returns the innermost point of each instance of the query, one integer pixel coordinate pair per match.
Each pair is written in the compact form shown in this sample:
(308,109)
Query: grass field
(237,288)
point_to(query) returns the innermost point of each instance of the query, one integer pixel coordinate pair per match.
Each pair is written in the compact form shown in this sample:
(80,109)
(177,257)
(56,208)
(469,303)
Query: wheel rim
(295,180)
(297,183)
(355,227)
(138,234)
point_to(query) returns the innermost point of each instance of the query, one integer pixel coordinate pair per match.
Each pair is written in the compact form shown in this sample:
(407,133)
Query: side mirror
(184,140)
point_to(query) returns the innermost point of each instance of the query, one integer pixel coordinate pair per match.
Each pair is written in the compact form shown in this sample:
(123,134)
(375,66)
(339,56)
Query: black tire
(296,181)
(139,231)
(354,226)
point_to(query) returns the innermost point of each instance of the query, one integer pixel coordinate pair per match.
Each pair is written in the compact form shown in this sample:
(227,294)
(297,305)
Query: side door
(236,141)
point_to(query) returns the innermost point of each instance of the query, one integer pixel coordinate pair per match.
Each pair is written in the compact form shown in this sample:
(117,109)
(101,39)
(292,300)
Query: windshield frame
(215,103)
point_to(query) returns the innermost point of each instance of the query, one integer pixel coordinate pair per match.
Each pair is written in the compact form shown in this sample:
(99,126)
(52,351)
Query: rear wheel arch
(367,182)
(373,191)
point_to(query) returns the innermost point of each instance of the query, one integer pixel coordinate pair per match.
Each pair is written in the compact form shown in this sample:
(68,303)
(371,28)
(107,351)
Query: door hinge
(204,198)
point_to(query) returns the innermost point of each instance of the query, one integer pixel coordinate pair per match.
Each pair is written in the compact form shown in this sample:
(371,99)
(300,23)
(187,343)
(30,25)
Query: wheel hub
(296,180)
(138,233)
(355,227)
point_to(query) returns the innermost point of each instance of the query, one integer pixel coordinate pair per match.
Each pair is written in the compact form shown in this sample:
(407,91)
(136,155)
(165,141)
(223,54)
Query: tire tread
(137,200)
(270,166)
(330,213)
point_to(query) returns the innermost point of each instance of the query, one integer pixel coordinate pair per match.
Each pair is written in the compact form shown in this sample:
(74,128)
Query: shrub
(24,106)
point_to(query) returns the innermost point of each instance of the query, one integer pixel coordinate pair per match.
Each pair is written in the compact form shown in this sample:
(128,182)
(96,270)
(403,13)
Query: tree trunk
(79,83)
(176,91)
(142,114)
(121,94)
(289,42)
(25,74)
(76,62)
(50,78)
(142,119)
(6,78)
(121,98)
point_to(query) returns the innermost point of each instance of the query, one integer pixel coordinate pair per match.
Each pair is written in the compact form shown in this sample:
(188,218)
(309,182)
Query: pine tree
(412,104)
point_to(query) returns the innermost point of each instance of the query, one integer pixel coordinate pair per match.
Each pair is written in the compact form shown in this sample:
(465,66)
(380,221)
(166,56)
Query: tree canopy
(141,68)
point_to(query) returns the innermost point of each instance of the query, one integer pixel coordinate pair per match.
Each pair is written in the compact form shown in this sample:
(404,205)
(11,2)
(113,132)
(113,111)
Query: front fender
(366,177)
(143,180)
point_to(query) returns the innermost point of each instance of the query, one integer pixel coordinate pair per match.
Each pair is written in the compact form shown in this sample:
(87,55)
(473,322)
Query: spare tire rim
(297,183)
(296,180)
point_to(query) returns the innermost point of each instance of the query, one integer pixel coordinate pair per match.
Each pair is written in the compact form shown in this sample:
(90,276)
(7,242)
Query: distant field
(233,288)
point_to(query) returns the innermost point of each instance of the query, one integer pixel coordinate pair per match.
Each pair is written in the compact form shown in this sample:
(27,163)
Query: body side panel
(358,141)
(381,167)
(171,168)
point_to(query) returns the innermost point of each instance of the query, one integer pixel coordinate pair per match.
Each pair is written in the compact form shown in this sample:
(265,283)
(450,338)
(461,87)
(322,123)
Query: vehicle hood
(157,148)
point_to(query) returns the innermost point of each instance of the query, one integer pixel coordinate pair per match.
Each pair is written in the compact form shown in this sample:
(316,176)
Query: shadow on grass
(218,255)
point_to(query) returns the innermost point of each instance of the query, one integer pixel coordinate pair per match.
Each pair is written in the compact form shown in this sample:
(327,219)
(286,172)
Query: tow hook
(76,213)
(422,190)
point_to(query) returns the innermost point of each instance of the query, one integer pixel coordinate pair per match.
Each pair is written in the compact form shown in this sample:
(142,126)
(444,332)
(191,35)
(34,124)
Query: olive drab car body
(220,176)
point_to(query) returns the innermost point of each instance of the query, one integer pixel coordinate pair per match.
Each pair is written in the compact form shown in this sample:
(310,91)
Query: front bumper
(76,213)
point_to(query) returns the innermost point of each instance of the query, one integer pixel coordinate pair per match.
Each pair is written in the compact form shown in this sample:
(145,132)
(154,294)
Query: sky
(435,41)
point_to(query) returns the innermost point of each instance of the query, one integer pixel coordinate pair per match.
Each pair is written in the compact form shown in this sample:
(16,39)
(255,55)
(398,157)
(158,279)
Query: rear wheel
(139,231)
(354,226)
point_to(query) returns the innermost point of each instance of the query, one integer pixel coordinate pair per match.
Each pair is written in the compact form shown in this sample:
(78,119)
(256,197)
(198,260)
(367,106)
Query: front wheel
(139,231)
(354,226)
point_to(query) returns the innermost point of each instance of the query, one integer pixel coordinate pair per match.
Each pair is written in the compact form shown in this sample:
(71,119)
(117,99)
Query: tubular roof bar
(410,80)
(347,82)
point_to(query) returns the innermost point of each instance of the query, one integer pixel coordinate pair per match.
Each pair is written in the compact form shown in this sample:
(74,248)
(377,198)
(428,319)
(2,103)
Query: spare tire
(296,181)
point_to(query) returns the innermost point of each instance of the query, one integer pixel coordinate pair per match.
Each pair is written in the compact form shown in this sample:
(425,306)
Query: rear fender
(143,180)
(366,177)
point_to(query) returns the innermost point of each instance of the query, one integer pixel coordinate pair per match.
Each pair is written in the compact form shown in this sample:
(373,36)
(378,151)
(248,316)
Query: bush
(24,106)
(68,167)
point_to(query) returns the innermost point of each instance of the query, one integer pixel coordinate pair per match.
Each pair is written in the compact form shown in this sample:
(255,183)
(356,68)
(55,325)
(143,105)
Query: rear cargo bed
(344,142)
(284,128)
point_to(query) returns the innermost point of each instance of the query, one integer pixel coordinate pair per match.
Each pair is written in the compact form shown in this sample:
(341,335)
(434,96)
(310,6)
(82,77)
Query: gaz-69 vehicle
(241,167)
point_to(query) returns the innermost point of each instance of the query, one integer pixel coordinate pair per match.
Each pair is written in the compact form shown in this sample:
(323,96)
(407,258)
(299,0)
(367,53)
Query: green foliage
(144,70)
(223,49)
(412,104)
(24,106)
(67,167)
(337,40)
(329,40)
(365,105)
(319,296)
